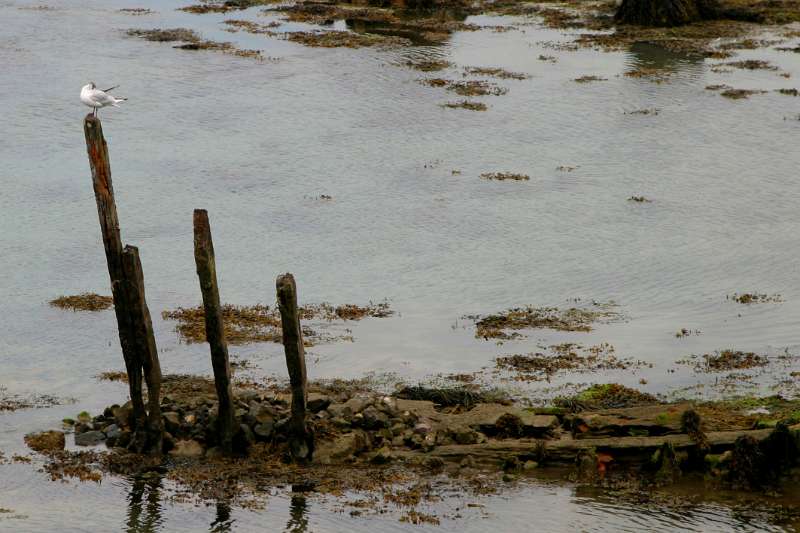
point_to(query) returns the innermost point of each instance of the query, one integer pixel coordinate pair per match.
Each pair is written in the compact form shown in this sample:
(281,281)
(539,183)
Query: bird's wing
(100,97)
(110,89)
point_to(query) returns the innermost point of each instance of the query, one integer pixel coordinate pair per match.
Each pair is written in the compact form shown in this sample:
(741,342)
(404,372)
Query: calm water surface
(257,143)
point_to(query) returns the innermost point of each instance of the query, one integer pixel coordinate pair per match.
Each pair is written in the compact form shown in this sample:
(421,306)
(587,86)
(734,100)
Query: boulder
(46,441)
(187,448)
(493,419)
(374,419)
(317,402)
(123,415)
(264,431)
(342,449)
(264,414)
(243,439)
(172,422)
(89,438)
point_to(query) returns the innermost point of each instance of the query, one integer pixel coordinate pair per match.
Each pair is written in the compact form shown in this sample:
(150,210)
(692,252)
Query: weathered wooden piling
(215,332)
(145,348)
(133,319)
(301,441)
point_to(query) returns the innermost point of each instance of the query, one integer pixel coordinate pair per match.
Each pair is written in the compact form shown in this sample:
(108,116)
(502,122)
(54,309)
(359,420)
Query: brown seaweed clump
(87,301)
(740,94)
(755,298)
(496,326)
(749,64)
(13,402)
(504,176)
(432,65)
(564,357)
(495,72)
(589,79)
(725,360)
(346,39)
(466,104)
(640,200)
(262,323)
(191,41)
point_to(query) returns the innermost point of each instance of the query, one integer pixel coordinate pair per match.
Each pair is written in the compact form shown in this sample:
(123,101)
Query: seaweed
(87,301)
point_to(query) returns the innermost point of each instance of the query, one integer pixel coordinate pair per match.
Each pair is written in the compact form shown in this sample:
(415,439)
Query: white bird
(95,98)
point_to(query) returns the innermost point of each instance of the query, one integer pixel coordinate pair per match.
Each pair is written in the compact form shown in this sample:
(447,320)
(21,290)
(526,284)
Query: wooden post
(215,332)
(112,243)
(301,440)
(145,347)
(127,287)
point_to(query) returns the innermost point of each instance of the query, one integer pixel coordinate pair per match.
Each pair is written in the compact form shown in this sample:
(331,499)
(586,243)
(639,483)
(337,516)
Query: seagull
(95,98)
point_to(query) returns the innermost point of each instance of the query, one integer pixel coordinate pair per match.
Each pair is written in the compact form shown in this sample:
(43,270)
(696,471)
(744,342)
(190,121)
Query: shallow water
(256,143)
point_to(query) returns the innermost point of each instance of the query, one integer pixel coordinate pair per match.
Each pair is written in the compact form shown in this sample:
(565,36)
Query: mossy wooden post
(150,432)
(301,440)
(215,332)
(112,243)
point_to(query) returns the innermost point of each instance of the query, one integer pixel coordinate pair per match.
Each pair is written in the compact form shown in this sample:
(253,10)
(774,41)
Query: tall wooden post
(112,243)
(215,332)
(127,287)
(301,440)
(145,347)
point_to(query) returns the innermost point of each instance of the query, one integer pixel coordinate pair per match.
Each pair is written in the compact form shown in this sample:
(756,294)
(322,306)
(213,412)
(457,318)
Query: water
(256,143)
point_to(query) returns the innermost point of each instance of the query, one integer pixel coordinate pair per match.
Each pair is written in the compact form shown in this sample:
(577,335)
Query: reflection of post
(215,332)
(222,522)
(298,515)
(301,441)
(144,519)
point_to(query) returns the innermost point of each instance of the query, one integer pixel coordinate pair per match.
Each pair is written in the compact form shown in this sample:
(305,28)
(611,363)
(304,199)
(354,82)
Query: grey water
(410,221)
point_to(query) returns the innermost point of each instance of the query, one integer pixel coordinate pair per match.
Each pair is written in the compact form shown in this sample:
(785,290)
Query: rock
(264,414)
(317,402)
(214,453)
(422,428)
(108,412)
(243,439)
(374,419)
(467,462)
(398,429)
(382,456)
(123,415)
(167,442)
(84,417)
(356,404)
(172,422)
(264,431)
(530,465)
(89,438)
(46,441)
(485,417)
(112,432)
(343,449)
(187,448)
(124,438)
(464,435)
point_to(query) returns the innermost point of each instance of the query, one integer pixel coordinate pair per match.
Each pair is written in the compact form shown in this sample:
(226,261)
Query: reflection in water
(653,56)
(298,515)
(222,521)
(144,505)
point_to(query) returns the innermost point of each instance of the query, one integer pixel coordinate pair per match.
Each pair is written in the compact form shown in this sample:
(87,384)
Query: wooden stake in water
(301,440)
(133,319)
(215,332)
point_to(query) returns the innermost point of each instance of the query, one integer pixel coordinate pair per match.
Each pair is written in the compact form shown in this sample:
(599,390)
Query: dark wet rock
(382,456)
(356,404)
(187,448)
(89,438)
(318,402)
(243,439)
(46,441)
(264,431)
(112,432)
(372,418)
(123,415)
(172,422)
(124,438)
(167,442)
(422,428)
(82,428)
